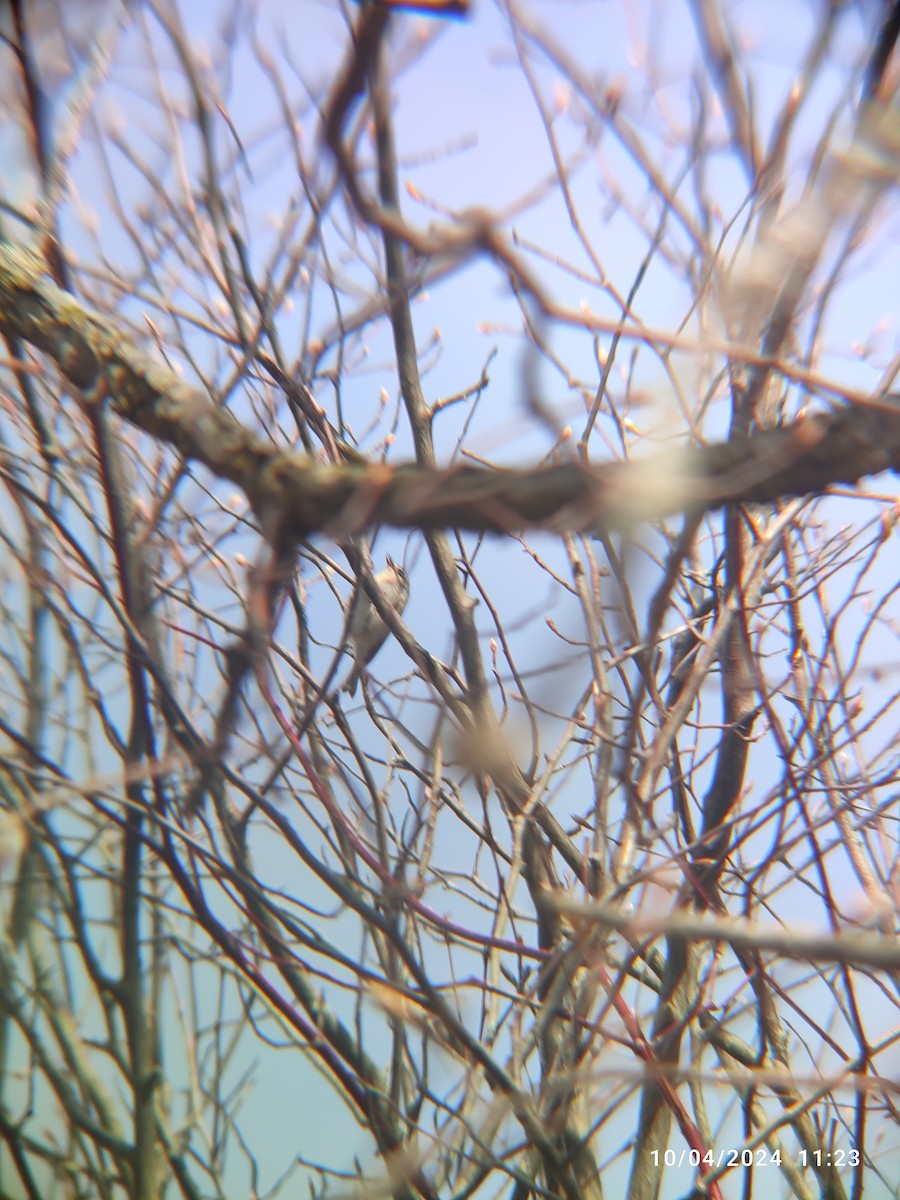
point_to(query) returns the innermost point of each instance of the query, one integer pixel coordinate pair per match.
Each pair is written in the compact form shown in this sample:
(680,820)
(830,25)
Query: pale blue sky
(469,135)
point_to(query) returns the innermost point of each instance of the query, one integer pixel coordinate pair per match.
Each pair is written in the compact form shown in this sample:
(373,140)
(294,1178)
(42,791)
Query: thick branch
(295,494)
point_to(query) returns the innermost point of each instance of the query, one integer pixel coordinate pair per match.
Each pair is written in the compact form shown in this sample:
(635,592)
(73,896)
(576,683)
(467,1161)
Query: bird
(366,630)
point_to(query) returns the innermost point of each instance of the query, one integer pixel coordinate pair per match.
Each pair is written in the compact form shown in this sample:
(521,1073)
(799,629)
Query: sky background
(471,133)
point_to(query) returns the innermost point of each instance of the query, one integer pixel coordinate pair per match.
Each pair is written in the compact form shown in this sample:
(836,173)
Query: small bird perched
(366,629)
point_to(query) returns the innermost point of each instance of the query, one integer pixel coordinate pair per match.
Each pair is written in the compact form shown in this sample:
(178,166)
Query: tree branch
(295,495)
